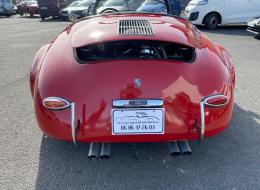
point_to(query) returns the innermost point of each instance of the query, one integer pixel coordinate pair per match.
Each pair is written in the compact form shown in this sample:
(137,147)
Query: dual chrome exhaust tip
(177,148)
(99,150)
(103,150)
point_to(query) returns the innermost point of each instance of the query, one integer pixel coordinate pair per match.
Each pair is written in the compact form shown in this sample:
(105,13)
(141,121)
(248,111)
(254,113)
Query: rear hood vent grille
(135,27)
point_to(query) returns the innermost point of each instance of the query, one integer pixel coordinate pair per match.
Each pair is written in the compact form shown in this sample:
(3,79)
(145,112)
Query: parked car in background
(6,8)
(107,6)
(212,13)
(154,6)
(28,7)
(253,26)
(64,13)
(49,8)
(157,6)
(79,10)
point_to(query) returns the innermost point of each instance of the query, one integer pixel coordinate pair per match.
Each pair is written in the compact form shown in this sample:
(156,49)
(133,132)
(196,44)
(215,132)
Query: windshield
(114,3)
(29,1)
(150,2)
(74,4)
(84,3)
(140,6)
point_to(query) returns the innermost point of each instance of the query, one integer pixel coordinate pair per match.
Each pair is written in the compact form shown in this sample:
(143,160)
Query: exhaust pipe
(105,152)
(93,151)
(174,148)
(184,148)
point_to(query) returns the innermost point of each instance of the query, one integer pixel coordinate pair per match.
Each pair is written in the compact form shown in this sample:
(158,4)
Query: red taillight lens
(216,101)
(55,103)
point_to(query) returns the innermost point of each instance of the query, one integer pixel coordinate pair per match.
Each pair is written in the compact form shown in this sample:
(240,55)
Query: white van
(212,13)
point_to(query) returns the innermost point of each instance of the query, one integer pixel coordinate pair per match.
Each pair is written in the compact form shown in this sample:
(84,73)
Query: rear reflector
(216,101)
(55,103)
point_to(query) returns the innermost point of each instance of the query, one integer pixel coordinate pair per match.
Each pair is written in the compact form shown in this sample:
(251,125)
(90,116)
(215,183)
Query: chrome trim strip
(204,103)
(73,129)
(137,103)
(254,32)
(202,122)
(52,98)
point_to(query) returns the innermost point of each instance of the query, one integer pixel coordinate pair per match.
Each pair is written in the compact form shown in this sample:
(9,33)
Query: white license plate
(137,121)
(64,14)
(44,8)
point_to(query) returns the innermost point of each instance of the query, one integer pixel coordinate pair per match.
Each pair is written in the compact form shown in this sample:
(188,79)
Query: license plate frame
(138,121)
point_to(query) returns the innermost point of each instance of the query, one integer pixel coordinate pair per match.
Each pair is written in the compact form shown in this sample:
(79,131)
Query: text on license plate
(137,121)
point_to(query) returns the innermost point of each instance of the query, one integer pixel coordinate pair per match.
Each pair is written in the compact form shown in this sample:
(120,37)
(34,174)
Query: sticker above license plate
(137,121)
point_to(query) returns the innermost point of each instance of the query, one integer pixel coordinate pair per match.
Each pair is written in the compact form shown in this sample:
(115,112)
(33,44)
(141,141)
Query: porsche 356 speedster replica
(132,77)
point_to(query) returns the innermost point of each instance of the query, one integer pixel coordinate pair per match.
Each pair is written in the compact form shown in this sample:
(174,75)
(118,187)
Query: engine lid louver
(135,27)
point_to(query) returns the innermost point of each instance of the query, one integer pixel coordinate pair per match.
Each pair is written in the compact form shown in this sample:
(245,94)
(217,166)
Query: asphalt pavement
(28,160)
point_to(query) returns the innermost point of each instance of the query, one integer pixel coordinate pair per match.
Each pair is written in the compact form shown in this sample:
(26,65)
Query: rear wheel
(212,21)
(43,18)
(31,14)
(73,18)
(20,12)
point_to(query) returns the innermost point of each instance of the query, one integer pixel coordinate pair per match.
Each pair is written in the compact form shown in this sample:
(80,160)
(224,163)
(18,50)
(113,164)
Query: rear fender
(35,67)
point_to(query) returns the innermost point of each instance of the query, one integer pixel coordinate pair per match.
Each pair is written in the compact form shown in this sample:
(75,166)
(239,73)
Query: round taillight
(55,103)
(216,101)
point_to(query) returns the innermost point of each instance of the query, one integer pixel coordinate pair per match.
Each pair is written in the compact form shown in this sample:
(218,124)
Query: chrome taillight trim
(72,113)
(52,98)
(204,103)
(205,100)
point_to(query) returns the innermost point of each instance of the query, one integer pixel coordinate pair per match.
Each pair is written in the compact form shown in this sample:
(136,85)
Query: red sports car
(28,7)
(132,77)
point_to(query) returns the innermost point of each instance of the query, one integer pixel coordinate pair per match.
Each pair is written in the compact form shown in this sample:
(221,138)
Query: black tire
(212,21)
(43,18)
(31,15)
(20,12)
(7,15)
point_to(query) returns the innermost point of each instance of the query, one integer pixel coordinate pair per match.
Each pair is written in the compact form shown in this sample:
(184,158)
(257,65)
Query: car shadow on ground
(149,166)
(229,30)
(1,17)
(51,19)
(28,16)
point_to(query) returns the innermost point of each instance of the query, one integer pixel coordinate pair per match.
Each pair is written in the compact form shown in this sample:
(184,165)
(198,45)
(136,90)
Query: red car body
(93,87)
(30,7)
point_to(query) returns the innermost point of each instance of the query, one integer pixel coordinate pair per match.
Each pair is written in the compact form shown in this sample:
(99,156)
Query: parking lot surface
(28,160)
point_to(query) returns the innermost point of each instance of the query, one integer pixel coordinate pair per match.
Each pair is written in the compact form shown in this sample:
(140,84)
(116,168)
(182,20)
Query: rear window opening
(141,50)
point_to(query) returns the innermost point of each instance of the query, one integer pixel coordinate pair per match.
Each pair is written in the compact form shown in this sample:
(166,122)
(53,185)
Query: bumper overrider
(209,102)
(254,30)
(253,26)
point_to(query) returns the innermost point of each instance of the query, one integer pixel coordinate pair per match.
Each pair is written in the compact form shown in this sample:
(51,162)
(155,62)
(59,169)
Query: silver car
(6,8)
